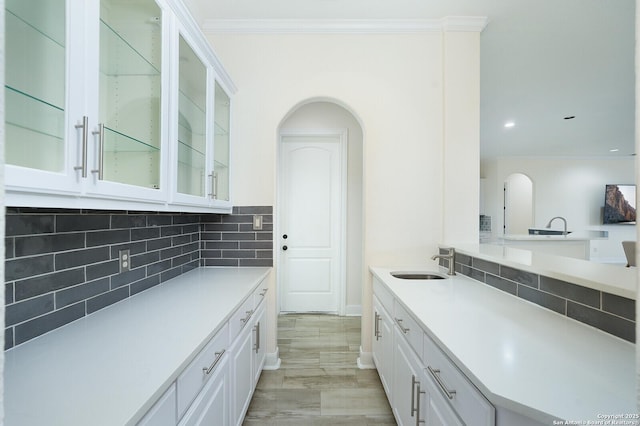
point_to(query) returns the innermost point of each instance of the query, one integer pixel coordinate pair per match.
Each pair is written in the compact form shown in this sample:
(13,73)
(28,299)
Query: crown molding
(344,26)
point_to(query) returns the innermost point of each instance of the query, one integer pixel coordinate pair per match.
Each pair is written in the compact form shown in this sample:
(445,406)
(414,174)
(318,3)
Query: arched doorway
(518,204)
(308,139)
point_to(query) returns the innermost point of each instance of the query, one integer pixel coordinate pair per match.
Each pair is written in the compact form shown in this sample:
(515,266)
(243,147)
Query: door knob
(284,248)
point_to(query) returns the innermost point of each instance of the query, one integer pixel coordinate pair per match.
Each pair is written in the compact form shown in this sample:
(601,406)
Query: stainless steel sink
(417,275)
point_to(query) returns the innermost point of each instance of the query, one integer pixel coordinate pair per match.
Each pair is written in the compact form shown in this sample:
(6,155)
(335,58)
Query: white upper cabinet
(112,104)
(41,108)
(201,136)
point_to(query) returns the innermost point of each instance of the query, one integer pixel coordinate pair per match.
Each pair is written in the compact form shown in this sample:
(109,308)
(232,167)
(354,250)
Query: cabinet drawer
(241,317)
(260,293)
(194,377)
(409,328)
(468,402)
(384,295)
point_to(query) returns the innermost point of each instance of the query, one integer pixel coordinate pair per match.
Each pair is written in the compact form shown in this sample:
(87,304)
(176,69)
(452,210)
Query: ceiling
(541,61)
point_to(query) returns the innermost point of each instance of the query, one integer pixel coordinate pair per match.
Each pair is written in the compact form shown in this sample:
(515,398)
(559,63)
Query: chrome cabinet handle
(256,328)
(419,392)
(100,169)
(208,370)
(415,408)
(214,184)
(246,319)
(263,292)
(399,322)
(375,324)
(376,327)
(413,394)
(85,135)
(436,376)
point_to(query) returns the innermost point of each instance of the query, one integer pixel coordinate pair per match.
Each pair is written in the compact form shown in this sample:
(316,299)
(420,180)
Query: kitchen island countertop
(521,356)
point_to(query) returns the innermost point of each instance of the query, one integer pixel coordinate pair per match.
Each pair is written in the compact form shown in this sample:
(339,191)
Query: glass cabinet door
(192,141)
(221,143)
(35,84)
(129,135)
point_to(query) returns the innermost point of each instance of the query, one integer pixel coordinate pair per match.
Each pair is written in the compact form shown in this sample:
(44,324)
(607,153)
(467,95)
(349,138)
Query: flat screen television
(619,204)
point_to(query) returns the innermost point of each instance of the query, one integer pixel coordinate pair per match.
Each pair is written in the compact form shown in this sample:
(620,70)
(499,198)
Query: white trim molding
(272,360)
(353,311)
(344,26)
(365,360)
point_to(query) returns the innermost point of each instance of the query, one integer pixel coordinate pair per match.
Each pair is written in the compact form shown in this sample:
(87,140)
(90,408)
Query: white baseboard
(272,360)
(365,360)
(353,310)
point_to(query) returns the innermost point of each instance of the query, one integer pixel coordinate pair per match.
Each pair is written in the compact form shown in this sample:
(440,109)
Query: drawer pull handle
(399,322)
(256,328)
(376,328)
(246,319)
(208,371)
(263,292)
(436,376)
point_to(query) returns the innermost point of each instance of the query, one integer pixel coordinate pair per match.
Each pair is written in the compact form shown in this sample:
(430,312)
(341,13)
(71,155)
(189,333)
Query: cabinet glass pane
(130,90)
(191,122)
(221,142)
(35,83)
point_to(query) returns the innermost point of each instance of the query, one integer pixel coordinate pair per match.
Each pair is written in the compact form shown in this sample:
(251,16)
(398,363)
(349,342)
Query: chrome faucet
(451,257)
(562,219)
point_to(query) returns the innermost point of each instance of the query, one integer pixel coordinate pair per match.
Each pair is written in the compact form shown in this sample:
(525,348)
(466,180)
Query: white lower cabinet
(383,344)
(248,357)
(423,385)
(217,386)
(260,342)
(408,391)
(242,373)
(211,407)
(466,400)
(437,411)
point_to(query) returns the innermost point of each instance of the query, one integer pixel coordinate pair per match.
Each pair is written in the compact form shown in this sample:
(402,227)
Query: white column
(461,131)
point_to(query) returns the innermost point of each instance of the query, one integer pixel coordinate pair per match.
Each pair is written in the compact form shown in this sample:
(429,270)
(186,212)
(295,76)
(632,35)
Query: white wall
(327,115)
(568,187)
(395,86)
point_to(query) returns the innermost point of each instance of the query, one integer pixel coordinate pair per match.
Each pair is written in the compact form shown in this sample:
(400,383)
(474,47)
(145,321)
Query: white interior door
(312,188)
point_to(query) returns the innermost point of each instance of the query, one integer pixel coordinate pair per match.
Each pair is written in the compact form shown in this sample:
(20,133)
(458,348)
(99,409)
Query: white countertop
(521,356)
(108,368)
(611,278)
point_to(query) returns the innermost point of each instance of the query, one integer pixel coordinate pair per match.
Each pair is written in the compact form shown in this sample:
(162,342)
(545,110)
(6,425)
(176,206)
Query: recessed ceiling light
(614,150)
(509,124)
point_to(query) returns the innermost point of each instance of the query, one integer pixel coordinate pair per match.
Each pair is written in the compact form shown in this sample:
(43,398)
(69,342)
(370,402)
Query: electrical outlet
(125,260)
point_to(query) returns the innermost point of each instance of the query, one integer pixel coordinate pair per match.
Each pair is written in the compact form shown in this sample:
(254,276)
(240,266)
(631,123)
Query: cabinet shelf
(189,103)
(33,114)
(119,58)
(190,156)
(39,22)
(34,132)
(220,130)
(27,47)
(115,141)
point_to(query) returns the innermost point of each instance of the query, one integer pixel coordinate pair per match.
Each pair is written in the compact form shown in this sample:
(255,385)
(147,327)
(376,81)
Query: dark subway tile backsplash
(62,264)
(608,312)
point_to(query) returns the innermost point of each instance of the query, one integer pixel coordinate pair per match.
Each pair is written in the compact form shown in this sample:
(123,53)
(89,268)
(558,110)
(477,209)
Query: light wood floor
(319,382)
